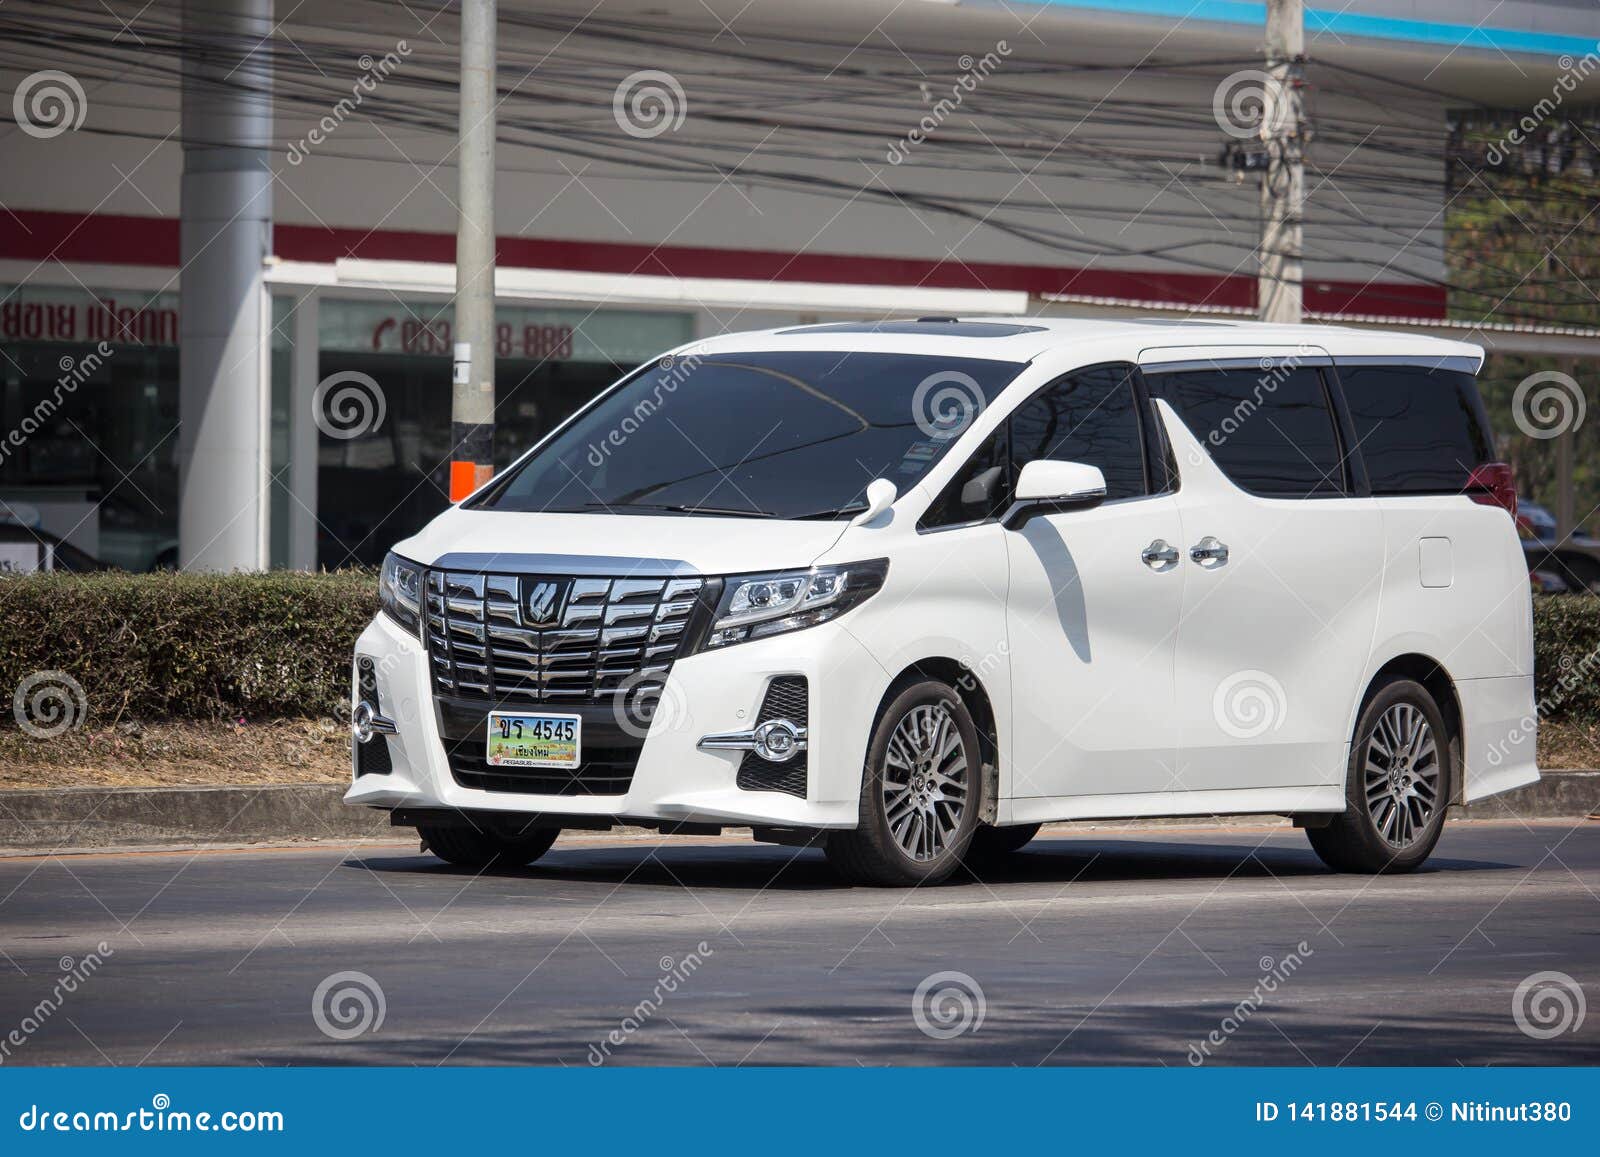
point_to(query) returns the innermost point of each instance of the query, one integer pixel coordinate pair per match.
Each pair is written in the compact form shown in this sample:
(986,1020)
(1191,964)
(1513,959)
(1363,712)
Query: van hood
(616,543)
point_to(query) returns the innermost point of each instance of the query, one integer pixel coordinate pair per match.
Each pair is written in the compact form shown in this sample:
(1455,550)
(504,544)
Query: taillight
(1493,484)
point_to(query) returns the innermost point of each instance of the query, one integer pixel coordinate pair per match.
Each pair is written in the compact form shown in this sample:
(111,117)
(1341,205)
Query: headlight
(400,591)
(755,606)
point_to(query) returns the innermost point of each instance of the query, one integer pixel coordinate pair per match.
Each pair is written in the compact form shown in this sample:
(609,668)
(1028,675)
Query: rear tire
(474,849)
(921,792)
(1397,785)
(991,844)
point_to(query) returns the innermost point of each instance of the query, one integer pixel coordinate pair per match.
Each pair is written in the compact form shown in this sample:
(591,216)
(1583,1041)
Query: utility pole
(1284,131)
(472,378)
(1566,501)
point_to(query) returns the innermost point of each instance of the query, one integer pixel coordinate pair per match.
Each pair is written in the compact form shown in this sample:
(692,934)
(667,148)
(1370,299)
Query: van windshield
(764,435)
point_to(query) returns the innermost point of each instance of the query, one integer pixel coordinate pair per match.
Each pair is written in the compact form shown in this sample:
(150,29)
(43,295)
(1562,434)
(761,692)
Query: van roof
(1021,339)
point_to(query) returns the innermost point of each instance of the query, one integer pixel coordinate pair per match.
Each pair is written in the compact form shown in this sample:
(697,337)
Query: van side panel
(1475,620)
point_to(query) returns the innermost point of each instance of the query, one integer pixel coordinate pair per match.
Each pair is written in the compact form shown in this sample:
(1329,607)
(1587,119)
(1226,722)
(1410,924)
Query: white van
(905,591)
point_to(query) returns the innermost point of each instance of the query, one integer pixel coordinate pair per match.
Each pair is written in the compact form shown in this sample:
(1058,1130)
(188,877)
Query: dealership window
(385,482)
(89,414)
(89,432)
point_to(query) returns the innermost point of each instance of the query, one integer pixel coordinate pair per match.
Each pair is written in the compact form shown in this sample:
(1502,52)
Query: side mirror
(1046,487)
(881,494)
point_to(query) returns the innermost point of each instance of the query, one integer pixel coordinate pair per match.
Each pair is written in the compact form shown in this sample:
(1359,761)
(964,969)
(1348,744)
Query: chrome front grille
(518,638)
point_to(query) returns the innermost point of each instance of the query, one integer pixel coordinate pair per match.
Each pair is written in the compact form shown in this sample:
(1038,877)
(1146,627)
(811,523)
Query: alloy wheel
(1402,775)
(925,781)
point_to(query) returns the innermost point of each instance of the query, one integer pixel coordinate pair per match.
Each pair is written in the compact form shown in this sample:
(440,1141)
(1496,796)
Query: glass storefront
(376,489)
(89,412)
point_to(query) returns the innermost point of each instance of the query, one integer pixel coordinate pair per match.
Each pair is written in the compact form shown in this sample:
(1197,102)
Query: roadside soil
(229,753)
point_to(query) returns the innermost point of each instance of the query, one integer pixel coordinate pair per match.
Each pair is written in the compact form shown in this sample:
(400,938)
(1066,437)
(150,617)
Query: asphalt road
(1099,947)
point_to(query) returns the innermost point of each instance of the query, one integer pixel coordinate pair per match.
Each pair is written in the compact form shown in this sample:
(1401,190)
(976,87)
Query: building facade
(225,287)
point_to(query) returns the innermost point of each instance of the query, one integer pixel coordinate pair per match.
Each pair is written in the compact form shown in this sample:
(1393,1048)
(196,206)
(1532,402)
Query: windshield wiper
(818,515)
(715,511)
(676,508)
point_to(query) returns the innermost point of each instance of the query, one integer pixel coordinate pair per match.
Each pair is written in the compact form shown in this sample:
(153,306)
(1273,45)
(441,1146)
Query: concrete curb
(76,819)
(91,817)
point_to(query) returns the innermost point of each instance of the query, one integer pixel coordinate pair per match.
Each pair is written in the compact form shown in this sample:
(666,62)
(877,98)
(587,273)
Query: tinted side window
(1090,416)
(1420,431)
(981,490)
(1270,430)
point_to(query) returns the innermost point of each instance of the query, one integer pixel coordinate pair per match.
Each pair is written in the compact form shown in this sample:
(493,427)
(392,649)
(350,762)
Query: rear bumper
(1501,725)
(673,781)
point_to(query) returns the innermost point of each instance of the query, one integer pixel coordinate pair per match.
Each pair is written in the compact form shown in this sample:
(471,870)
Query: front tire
(920,792)
(470,848)
(1397,785)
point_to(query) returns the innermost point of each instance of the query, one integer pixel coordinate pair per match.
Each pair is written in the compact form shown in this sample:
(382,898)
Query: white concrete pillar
(303,433)
(224,361)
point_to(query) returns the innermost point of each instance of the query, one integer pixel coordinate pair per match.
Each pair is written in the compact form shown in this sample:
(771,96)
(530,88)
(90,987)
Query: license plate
(518,740)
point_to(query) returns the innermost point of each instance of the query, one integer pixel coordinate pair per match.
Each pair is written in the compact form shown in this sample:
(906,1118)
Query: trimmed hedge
(1566,657)
(188,646)
(181,646)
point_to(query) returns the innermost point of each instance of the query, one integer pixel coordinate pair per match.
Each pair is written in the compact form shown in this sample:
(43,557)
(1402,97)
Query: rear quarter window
(1419,431)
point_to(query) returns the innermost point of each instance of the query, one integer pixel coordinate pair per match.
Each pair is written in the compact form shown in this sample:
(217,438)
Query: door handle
(1159,554)
(1209,549)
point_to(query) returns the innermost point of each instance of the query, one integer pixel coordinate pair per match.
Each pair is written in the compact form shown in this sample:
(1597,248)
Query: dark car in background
(1574,560)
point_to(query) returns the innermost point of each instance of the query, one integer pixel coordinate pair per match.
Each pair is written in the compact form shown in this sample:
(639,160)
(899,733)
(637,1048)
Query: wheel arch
(968,685)
(1436,680)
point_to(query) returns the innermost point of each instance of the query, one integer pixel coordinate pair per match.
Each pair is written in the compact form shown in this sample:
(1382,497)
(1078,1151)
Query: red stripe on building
(37,235)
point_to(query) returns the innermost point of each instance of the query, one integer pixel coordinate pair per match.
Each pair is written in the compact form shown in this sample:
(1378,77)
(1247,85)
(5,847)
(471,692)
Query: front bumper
(674,780)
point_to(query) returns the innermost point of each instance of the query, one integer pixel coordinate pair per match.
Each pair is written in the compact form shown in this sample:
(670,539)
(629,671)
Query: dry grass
(318,751)
(1565,745)
(169,754)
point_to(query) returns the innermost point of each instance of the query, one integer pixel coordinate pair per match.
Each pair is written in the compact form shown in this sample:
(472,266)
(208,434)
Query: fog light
(361,723)
(776,740)
(365,723)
